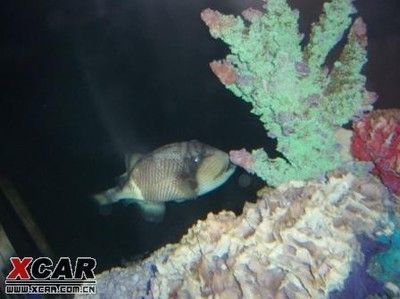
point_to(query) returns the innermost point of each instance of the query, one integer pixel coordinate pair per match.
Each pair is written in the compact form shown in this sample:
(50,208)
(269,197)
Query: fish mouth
(226,171)
(230,167)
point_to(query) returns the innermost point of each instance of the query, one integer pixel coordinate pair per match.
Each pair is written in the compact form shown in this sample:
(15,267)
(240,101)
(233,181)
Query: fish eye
(196,159)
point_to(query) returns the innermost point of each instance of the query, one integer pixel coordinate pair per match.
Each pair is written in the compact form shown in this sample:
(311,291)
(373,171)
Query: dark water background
(84,81)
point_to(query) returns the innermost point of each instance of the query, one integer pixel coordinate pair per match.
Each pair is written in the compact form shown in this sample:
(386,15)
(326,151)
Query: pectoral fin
(152,211)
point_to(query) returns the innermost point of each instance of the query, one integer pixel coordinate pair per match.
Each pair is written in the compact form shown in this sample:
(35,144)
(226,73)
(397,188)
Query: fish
(174,172)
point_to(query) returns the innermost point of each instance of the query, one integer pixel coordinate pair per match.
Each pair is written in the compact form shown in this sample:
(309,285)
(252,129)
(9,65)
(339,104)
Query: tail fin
(107,197)
(113,195)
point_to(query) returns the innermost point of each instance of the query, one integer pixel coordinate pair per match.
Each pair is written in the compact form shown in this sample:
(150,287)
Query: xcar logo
(20,268)
(42,276)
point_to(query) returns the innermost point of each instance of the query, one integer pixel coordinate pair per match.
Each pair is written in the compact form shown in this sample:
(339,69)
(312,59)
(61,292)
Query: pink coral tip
(242,158)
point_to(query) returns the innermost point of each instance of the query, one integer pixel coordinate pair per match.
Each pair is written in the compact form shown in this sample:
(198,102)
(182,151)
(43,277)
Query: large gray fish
(174,172)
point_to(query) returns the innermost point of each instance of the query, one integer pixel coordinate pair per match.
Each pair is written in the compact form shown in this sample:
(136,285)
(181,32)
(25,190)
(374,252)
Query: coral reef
(376,138)
(297,241)
(300,101)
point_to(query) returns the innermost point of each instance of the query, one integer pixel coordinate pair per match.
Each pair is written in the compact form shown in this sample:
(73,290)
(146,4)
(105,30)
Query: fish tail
(111,196)
(107,197)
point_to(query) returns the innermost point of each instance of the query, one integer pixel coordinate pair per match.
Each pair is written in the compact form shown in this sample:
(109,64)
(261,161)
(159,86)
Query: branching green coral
(299,101)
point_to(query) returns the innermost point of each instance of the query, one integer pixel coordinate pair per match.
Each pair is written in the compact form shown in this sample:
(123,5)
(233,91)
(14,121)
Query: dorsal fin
(131,160)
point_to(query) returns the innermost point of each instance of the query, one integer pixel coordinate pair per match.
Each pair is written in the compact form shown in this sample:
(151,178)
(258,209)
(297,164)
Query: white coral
(297,241)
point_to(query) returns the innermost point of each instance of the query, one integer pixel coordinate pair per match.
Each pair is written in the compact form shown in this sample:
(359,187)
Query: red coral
(376,138)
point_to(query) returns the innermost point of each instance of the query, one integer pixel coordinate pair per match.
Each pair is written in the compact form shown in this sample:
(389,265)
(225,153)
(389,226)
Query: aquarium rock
(297,241)
(300,98)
